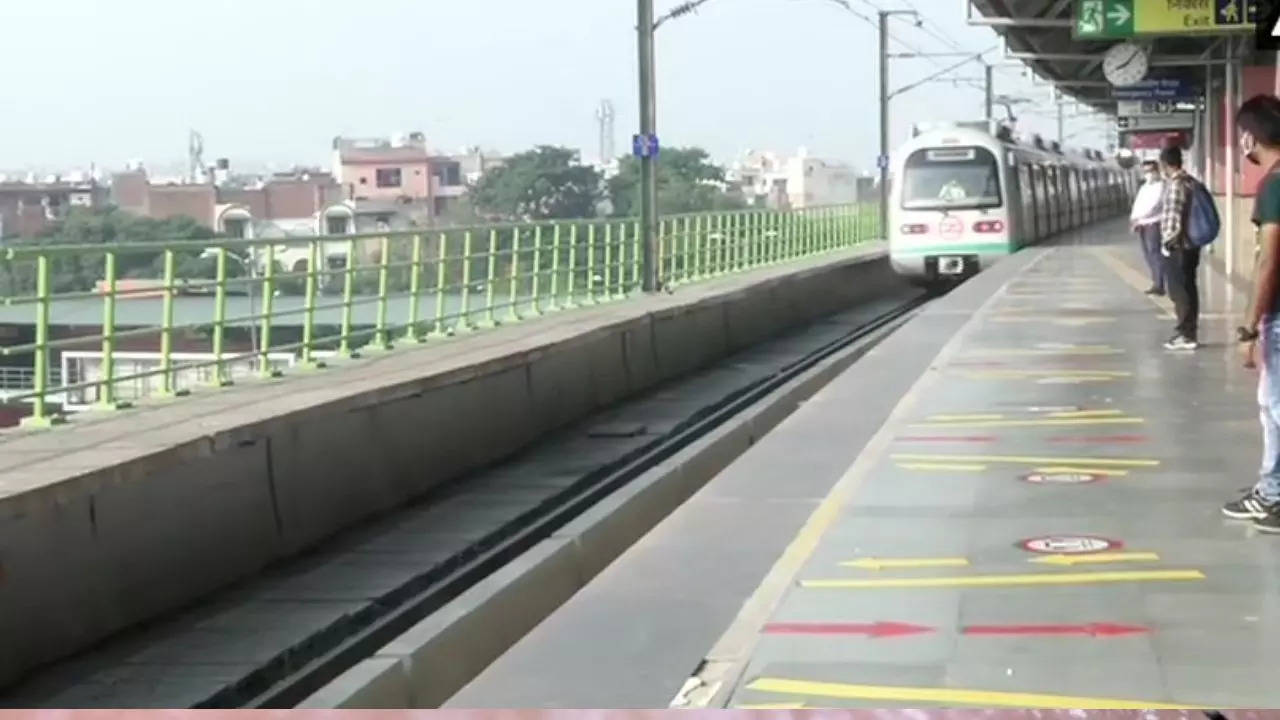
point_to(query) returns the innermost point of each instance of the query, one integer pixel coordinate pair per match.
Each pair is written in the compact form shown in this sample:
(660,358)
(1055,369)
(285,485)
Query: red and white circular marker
(1061,478)
(951,227)
(1069,544)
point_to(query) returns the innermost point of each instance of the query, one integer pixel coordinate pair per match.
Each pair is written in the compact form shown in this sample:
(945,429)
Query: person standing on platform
(1145,221)
(1181,258)
(1258,121)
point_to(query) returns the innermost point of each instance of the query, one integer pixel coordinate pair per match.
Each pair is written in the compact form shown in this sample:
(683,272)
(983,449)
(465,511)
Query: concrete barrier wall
(102,550)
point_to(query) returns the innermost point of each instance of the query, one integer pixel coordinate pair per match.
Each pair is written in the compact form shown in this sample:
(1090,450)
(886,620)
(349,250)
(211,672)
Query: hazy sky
(273,81)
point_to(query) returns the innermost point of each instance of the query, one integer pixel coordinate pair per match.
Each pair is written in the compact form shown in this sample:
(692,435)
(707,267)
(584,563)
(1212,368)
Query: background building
(797,181)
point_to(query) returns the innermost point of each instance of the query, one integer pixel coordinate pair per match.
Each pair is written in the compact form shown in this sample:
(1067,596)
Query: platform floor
(1035,523)
(1039,523)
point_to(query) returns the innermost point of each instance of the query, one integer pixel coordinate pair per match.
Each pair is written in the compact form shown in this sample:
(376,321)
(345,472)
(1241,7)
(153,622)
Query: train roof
(982,130)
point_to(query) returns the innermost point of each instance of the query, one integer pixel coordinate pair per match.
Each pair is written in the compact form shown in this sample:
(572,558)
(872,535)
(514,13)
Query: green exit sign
(1119,19)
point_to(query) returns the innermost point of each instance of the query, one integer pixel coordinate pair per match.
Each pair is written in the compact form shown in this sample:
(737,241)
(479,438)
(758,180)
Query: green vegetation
(81,271)
(542,184)
(687,182)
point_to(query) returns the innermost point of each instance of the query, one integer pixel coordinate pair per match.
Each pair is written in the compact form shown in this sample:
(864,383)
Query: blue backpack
(1202,215)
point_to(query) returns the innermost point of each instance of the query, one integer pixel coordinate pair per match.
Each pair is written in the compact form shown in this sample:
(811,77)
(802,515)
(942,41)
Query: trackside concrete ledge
(123,517)
(436,658)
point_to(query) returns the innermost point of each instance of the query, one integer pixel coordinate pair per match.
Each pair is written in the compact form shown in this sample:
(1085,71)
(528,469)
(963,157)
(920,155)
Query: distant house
(28,207)
(425,185)
(796,181)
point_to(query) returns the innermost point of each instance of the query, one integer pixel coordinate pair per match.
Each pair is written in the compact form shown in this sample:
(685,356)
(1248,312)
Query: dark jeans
(1180,274)
(1150,238)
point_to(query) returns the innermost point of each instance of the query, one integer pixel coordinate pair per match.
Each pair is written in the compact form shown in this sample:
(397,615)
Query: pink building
(398,169)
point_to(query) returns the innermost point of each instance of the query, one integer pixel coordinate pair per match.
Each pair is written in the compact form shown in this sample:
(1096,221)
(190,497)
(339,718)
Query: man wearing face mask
(1259,122)
(1144,219)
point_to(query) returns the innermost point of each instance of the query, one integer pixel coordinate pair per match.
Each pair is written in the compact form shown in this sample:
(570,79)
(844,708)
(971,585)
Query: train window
(951,178)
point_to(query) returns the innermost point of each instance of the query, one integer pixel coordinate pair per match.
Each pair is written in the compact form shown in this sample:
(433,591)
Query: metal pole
(1228,137)
(648,171)
(1210,172)
(1059,121)
(989,77)
(883,160)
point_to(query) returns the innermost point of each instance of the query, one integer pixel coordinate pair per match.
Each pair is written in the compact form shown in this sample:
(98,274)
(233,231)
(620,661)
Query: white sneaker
(1181,343)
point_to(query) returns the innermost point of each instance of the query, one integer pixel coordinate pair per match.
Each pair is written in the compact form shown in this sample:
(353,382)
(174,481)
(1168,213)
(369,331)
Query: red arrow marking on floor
(1101,439)
(875,630)
(1094,629)
(948,438)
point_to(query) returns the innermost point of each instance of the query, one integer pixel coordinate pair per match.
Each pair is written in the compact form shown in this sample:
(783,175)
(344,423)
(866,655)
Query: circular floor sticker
(1061,478)
(1068,544)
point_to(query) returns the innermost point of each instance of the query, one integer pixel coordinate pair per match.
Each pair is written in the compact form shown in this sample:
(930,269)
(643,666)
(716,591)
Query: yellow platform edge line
(1034,423)
(1083,578)
(1086,413)
(951,696)
(1025,372)
(1095,558)
(956,467)
(1028,460)
(1133,279)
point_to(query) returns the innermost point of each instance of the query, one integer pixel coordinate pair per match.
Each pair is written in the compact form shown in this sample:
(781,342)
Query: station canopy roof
(1039,33)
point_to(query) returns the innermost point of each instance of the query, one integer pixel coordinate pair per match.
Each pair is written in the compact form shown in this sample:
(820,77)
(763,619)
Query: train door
(1064,202)
(1073,194)
(1048,201)
(1038,202)
(1091,194)
(1025,231)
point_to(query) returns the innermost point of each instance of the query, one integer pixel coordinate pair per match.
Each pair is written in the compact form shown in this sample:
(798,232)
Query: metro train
(967,194)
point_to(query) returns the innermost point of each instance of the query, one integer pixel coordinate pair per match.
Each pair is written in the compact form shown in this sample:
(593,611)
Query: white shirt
(1146,206)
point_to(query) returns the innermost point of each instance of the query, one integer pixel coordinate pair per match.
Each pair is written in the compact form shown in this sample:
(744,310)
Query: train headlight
(988,226)
(914,229)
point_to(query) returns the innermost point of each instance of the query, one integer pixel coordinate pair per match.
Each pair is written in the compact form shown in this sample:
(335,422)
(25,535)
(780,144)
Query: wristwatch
(1246,335)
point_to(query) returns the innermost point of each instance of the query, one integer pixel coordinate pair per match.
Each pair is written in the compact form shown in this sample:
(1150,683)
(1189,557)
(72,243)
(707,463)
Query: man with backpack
(1188,222)
(1259,123)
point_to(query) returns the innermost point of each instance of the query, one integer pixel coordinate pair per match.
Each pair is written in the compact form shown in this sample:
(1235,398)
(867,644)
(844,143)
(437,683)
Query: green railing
(123,321)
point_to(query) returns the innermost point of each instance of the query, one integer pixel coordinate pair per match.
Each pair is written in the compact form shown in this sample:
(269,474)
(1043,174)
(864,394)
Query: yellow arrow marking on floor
(948,697)
(1086,471)
(894,563)
(1118,462)
(1096,558)
(1086,413)
(1033,423)
(1003,580)
(945,467)
(958,418)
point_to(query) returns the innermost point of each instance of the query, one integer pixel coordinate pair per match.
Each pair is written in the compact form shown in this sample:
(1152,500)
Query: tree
(80,271)
(687,182)
(543,183)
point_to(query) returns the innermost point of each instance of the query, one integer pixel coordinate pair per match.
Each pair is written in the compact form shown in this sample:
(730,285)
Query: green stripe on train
(1001,247)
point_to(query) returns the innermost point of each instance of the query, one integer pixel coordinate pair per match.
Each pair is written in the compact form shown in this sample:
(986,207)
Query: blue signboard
(882,162)
(644,146)
(1166,89)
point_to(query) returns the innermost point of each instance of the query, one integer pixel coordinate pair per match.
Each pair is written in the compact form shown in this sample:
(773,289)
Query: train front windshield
(959,178)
